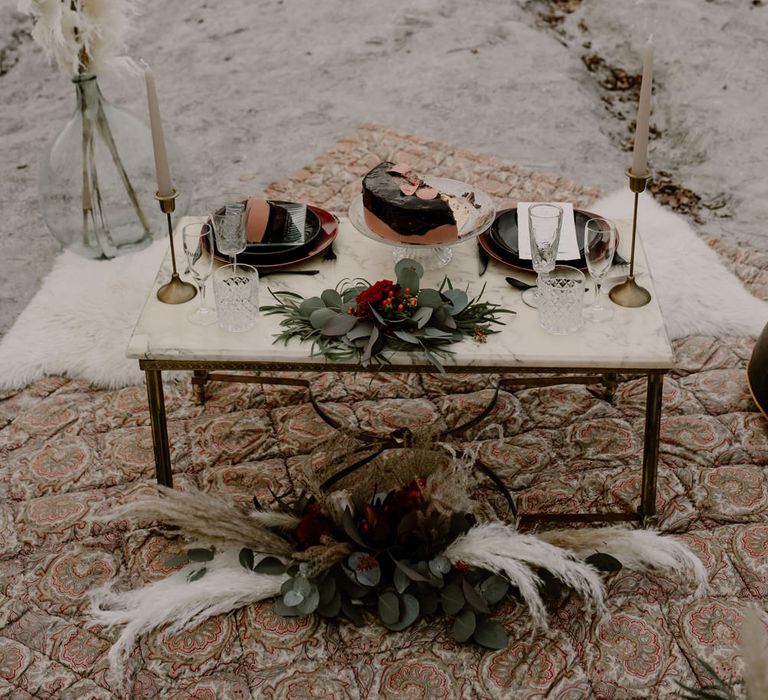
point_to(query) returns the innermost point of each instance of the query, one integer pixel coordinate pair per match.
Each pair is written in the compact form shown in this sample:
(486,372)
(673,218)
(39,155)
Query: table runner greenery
(360,320)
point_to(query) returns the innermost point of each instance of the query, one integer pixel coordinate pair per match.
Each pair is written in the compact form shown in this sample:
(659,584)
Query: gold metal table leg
(199,378)
(159,426)
(651,449)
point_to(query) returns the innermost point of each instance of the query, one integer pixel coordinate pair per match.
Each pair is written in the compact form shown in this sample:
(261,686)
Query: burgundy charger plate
(504,227)
(329,229)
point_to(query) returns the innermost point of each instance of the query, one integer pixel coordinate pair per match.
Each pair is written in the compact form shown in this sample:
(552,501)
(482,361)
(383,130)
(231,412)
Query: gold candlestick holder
(629,293)
(177,291)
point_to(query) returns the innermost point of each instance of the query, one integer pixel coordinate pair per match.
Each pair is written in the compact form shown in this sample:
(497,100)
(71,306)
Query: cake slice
(399,206)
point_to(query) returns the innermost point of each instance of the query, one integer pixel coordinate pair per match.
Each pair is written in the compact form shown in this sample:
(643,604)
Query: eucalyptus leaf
(320,317)
(352,611)
(200,555)
(327,590)
(400,580)
(409,571)
(408,337)
(459,300)
(430,298)
(196,575)
(464,625)
(409,612)
(310,602)
(473,598)
(408,279)
(338,325)
(389,608)
(366,568)
(282,609)
(330,608)
(490,635)
(494,588)
(409,264)
(330,297)
(452,599)
(428,601)
(422,316)
(309,305)
(246,558)
(269,565)
(292,598)
(371,344)
(361,330)
(302,585)
(439,566)
(430,332)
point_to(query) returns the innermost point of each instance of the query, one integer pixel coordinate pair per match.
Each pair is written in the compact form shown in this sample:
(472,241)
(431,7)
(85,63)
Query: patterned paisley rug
(69,451)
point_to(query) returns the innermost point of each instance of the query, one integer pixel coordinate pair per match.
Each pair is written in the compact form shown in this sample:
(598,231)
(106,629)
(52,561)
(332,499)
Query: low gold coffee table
(633,344)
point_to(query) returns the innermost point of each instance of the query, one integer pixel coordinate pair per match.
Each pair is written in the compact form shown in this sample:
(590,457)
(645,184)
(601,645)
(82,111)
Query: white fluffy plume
(65,28)
(640,550)
(180,603)
(499,548)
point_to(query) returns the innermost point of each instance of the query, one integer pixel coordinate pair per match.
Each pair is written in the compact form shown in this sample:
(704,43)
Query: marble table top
(632,339)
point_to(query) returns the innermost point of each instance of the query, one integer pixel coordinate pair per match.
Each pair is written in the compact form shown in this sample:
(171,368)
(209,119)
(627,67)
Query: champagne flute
(229,228)
(544,224)
(198,248)
(599,248)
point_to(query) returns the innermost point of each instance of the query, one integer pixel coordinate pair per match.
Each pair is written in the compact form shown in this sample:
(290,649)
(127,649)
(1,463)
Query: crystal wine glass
(599,248)
(198,248)
(229,228)
(544,224)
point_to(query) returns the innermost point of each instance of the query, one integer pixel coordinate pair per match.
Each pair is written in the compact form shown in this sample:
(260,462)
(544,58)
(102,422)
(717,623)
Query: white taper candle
(640,154)
(164,186)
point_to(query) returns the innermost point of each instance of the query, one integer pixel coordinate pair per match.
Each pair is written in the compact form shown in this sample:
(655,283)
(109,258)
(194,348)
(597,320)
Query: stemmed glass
(544,224)
(229,227)
(599,248)
(198,248)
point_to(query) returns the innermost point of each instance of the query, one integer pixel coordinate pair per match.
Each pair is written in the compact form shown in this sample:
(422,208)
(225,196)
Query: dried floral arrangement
(364,321)
(82,35)
(390,544)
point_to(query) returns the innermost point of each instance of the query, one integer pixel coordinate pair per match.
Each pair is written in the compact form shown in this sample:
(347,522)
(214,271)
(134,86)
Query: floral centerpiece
(402,540)
(364,321)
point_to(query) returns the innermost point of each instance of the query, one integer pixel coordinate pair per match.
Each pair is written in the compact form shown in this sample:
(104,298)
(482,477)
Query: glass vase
(97,183)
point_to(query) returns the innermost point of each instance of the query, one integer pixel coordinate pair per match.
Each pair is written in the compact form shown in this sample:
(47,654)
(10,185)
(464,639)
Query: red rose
(374,295)
(312,527)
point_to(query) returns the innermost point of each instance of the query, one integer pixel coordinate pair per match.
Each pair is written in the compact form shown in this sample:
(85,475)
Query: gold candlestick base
(177,291)
(629,293)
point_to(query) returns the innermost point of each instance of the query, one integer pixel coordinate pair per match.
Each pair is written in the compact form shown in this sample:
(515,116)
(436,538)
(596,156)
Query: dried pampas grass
(499,548)
(83,35)
(639,550)
(207,519)
(179,602)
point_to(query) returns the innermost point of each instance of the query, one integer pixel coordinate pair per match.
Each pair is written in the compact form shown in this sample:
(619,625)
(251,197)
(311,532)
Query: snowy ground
(254,89)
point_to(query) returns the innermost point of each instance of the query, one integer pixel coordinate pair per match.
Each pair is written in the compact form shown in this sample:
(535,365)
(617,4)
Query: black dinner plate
(275,253)
(504,232)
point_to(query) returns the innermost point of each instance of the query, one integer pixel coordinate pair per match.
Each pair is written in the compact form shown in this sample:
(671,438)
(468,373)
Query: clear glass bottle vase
(97,182)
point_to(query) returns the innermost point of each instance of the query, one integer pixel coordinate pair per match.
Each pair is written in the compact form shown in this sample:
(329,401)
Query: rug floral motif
(70,451)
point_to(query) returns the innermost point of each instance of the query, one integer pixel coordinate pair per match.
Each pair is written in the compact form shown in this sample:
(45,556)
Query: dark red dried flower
(312,527)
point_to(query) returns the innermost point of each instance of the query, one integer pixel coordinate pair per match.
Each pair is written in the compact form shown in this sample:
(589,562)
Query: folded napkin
(569,246)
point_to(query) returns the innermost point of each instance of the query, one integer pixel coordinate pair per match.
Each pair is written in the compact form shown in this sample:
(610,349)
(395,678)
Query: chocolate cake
(398,205)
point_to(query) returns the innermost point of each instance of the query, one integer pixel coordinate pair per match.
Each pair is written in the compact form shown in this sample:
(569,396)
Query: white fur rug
(79,323)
